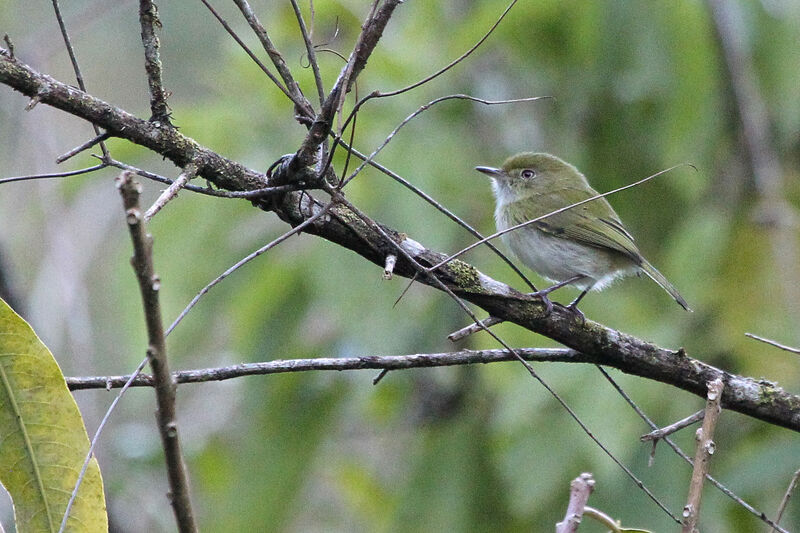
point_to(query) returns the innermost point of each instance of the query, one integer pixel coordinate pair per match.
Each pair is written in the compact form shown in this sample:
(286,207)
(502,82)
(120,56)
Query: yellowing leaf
(43,442)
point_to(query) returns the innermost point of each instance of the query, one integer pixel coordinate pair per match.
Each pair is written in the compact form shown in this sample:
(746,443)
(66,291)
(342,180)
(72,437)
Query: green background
(638,86)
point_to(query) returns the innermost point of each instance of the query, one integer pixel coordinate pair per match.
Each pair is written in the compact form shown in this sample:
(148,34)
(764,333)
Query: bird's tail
(659,278)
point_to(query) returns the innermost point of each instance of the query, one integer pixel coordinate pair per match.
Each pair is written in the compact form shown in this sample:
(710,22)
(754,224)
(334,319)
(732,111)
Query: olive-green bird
(586,246)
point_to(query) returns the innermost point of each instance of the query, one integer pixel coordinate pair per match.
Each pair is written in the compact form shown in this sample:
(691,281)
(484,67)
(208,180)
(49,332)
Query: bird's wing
(576,224)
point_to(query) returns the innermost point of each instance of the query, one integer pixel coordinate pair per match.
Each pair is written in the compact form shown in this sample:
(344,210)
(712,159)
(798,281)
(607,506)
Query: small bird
(586,246)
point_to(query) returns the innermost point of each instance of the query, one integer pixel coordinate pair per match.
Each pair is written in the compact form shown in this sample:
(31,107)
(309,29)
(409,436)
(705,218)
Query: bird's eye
(528,173)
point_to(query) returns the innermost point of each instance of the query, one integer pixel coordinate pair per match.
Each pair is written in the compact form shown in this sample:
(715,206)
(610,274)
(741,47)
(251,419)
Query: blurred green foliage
(638,87)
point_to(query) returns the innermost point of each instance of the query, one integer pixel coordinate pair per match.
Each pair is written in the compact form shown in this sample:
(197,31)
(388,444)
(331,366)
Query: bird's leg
(544,292)
(573,306)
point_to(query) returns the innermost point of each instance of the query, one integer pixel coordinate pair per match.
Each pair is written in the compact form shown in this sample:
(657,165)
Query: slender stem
(129,381)
(312,56)
(165,387)
(75,67)
(85,146)
(172,191)
(55,174)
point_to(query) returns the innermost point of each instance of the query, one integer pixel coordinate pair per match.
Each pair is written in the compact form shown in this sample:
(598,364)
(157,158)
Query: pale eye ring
(528,173)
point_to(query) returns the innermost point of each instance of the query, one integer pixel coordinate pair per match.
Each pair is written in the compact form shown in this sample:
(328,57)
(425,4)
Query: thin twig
(85,146)
(773,343)
(579,491)
(303,107)
(75,67)
(96,438)
(702,457)
(557,211)
(189,172)
(603,518)
(786,496)
(149,21)
(672,428)
(366,362)
(312,56)
(245,260)
(474,328)
(165,387)
(54,175)
(722,488)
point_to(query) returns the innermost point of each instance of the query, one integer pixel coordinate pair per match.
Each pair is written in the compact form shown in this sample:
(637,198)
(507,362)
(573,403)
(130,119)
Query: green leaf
(43,442)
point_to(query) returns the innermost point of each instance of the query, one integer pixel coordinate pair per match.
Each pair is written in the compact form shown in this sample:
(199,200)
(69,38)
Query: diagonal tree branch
(757,398)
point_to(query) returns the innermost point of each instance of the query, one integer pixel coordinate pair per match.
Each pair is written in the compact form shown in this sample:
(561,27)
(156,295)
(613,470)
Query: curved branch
(756,398)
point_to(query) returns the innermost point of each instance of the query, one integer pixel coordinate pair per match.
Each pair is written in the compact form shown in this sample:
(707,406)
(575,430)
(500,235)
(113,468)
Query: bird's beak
(491,172)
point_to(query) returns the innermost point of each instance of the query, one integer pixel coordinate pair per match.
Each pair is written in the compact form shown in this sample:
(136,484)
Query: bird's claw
(578,313)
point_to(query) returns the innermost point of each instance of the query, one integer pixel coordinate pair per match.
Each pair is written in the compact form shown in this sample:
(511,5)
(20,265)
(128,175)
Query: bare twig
(672,428)
(474,328)
(149,21)
(367,362)
(722,488)
(702,457)
(54,175)
(172,191)
(85,146)
(149,285)
(579,491)
(74,60)
(312,56)
(773,343)
(786,496)
(371,32)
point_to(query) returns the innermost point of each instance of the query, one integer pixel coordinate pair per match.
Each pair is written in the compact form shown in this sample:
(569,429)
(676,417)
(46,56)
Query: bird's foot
(542,295)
